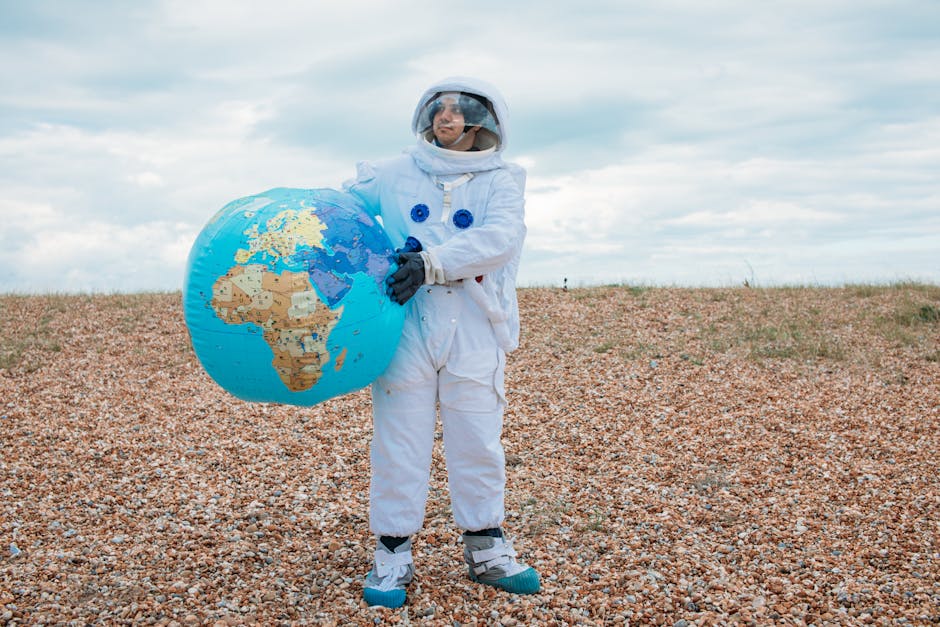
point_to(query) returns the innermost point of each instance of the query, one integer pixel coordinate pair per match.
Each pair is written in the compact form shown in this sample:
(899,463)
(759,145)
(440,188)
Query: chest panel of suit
(420,211)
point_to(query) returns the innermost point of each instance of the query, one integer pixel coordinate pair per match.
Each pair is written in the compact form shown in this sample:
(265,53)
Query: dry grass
(712,456)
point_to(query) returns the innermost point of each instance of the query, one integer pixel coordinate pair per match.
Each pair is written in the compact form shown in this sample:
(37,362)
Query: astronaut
(455,210)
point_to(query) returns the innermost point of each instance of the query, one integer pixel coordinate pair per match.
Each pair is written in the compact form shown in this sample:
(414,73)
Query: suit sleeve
(488,247)
(365,187)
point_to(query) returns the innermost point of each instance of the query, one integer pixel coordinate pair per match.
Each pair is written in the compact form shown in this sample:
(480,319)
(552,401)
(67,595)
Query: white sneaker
(386,582)
(492,561)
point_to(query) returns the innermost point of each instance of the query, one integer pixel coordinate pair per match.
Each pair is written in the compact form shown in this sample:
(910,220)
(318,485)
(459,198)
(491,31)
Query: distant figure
(565,287)
(456,211)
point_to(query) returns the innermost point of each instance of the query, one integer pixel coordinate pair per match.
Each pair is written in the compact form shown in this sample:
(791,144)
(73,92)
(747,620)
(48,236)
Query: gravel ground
(675,457)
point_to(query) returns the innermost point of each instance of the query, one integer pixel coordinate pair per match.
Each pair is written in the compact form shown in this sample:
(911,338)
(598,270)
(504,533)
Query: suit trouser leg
(472,403)
(402,443)
(463,370)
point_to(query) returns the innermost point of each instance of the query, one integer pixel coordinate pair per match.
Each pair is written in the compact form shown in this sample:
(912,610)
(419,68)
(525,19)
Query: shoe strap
(499,555)
(386,563)
(486,555)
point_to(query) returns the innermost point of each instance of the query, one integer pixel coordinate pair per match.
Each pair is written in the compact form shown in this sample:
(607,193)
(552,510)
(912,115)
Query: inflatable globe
(285,297)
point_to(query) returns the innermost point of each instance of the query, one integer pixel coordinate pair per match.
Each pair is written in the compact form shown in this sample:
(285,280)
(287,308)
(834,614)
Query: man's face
(448,123)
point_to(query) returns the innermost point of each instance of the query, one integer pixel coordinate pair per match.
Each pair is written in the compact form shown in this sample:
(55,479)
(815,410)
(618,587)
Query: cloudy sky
(673,142)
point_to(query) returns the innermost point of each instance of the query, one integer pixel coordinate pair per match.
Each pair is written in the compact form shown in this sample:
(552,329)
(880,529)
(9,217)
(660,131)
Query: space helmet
(474,109)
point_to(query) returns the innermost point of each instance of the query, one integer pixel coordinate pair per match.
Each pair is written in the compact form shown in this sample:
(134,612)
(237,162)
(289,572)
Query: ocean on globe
(285,300)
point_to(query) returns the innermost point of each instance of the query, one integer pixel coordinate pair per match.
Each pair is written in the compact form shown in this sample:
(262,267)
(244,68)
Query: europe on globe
(284,296)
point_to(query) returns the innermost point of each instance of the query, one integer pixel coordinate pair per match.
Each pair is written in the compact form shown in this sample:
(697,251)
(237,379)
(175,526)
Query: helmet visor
(451,112)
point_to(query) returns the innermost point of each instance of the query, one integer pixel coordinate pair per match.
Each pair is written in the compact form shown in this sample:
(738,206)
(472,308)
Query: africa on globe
(285,300)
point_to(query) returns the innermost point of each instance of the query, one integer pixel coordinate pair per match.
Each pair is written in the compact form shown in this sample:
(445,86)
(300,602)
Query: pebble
(655,520)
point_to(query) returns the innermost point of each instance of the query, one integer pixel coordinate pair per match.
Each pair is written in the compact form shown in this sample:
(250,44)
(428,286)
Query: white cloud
(146,179)
(679,214)
(677,142)
(757,213)
(101,257)
(118,210)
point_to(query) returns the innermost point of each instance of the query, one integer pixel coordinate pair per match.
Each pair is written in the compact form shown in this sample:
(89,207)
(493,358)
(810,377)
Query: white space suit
(467,211)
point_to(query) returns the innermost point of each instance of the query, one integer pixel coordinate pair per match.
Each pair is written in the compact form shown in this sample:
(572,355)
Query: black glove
(405,281)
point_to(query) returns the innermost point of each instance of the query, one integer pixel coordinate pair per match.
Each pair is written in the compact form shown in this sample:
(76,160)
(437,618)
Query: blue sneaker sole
(526,582)
(385,598)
